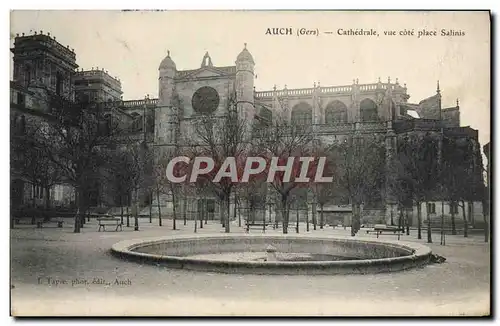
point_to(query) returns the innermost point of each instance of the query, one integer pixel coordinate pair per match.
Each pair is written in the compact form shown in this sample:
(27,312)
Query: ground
(460,286)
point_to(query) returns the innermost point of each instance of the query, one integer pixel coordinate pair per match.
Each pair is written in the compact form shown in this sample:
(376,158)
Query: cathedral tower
(41,62)
(166,114)
(244,85)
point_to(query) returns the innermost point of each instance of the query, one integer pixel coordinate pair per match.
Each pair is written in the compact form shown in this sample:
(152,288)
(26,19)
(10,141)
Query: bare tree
(284,140)
(162,186)
(360,170)
(29,160)
(120,183)
(400,188)
(418,157)
(253,194)
(77,143)
(220,138)
(461,176)
(130,168)
(326,192)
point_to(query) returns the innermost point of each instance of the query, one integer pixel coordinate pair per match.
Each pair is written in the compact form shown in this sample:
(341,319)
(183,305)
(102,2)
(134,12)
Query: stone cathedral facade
(379,108)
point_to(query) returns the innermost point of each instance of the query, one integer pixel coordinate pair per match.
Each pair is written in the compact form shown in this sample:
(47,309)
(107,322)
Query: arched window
(59,83)
(335,112)
(302,114)
(137,123)
(368,110)
(266,114)
(150,123)
(27,76)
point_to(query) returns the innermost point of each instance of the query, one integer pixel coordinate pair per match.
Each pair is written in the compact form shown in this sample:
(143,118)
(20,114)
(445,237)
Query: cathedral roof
(245,55)
(167,62)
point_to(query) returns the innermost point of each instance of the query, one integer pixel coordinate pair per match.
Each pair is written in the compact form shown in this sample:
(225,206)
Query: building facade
(335,113)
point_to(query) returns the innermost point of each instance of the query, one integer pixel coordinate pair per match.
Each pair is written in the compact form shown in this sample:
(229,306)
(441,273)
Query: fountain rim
(418,254)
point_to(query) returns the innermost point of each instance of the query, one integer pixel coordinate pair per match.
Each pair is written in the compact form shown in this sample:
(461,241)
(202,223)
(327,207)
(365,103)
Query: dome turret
(245,55)
(167,63)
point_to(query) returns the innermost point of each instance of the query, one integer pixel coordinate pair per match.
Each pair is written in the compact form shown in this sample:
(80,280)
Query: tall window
(27,76)
(59,83)
(393,110)
(302,114)
(137,123)
(368,110)
(150,125)
(21,99)
(431,208)
(335,112)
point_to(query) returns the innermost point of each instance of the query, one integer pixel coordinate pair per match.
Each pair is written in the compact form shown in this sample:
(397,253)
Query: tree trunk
(237,206)
(251,212)
(453,226)
(227,202)
(121,210)
(33,217)
(159,206)
(221,212)
(85,213)
(264,220)
(314,216)
(307,218)
(234,212)
(184,209)
(136,210)
(356,218)
(297,226)
(174,208)
(47,203)
(442,224)
(407,221)
(203,211)
(322,216)
(151,207)
(128,217)
(206,213)
(284,214)
(80,211)
(419,220)
(470,214)
(466,224)
(429,227)
(196,218)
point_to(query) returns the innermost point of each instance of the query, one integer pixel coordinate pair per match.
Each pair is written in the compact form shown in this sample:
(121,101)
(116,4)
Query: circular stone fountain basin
(246,253)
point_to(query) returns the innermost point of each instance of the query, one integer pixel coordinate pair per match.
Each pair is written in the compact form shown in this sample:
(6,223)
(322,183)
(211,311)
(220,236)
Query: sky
(131,45)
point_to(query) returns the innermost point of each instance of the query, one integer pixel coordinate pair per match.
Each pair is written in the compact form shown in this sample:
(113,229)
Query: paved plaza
(57,272)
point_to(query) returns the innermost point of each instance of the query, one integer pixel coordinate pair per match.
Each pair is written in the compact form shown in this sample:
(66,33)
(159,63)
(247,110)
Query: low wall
(373,256)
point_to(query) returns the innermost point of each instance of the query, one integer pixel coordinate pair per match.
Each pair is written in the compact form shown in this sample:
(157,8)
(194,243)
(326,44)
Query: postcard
(250,163)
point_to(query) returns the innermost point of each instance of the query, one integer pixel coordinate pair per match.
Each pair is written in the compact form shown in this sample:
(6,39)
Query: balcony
(329,90)
(344,128)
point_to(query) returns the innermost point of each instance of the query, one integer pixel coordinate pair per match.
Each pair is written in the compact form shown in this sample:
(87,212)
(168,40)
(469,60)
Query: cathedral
(43,66)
